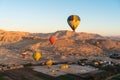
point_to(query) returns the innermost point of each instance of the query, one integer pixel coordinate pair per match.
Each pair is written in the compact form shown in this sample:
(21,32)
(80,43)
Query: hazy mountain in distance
(116,38)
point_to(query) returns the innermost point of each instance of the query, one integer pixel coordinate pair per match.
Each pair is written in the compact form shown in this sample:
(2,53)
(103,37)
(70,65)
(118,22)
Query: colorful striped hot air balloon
(73,21)
(36,56)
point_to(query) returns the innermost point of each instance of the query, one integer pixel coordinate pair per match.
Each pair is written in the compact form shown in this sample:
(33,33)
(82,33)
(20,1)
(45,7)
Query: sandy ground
(74,69)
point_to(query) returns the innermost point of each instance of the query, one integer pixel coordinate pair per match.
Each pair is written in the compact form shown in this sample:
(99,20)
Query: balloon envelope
(24,53)
(52,39)
(65,66)
(49,63)
(73,21)
(36,56)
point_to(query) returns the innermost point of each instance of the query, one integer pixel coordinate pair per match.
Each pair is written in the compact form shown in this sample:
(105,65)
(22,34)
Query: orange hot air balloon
(49,63)
(73,21)
(52,39)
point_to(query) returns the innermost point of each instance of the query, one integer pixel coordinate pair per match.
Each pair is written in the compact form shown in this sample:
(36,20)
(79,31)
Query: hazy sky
(44,16)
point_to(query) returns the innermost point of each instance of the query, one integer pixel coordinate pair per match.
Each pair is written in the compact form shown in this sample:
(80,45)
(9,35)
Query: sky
(45,16)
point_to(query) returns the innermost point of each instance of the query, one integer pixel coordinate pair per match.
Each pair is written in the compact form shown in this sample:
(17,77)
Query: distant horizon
(45,16)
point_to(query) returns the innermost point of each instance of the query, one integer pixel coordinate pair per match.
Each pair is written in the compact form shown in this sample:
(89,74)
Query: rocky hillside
(11,36)
(76,35)
(64,34)
(67,42)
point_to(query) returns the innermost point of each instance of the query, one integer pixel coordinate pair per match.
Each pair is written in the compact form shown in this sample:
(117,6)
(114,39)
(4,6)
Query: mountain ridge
(67,42)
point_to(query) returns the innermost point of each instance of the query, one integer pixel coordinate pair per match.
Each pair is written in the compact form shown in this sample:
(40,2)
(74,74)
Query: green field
(116,77)
(2,78)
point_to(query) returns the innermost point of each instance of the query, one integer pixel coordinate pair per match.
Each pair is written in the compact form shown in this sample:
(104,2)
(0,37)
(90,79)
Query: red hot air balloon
(52,39)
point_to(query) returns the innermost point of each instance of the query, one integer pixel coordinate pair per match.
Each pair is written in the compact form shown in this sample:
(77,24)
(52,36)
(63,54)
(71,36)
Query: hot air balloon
(65,66)
(52,39)
(36,56)
(73,21)
(24,53)
(49,63)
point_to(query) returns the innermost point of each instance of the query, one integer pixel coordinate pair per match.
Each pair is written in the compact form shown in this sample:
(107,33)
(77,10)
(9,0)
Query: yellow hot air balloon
(49,63)
(73,21)
(65,66)
(37,56)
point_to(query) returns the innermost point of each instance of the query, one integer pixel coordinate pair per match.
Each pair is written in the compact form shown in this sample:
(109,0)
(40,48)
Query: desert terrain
(69,47)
